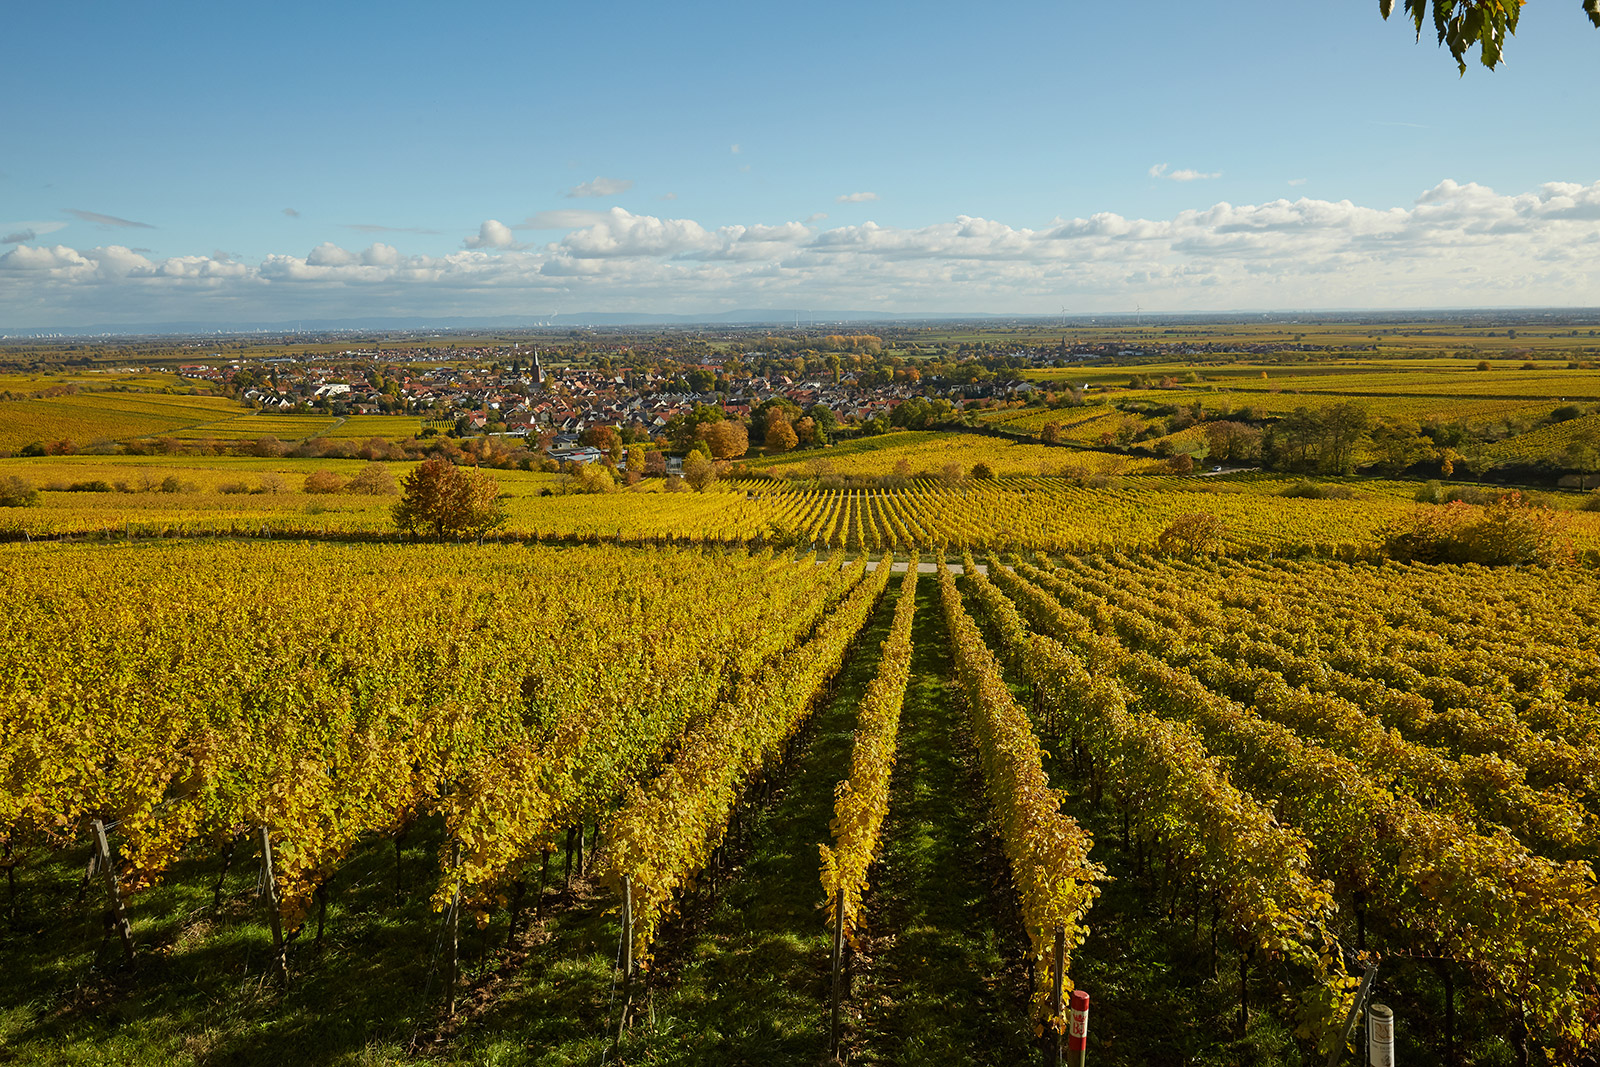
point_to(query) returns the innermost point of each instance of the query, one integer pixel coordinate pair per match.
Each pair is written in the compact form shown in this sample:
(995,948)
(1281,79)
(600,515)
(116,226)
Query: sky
(224,163)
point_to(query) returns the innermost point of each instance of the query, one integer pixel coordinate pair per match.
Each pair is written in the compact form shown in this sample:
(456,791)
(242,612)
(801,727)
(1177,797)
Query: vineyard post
(838,972)
(119,915)
(1336,1053)
(1078,1038)
(627,955)
(452,972)
(1380,1036)
(1052,1053)
(270,883)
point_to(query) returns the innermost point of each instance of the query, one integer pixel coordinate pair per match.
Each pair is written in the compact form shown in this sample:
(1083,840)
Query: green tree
(1461,24)
(449,499)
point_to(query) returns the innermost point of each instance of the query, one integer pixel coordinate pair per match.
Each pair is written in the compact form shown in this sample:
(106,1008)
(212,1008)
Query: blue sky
(187,161)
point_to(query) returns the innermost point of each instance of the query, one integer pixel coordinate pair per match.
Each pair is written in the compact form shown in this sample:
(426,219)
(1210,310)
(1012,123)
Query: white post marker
(1380,1036)
(1078,1034)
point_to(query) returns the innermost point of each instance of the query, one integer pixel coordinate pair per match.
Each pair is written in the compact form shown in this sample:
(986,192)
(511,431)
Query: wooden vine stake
(838,972)
(452,972)
(118,914)
(269,883)
(627,958)
(1053,1028)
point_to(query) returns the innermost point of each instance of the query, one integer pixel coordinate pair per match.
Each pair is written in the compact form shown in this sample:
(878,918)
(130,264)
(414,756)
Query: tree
(1460,24)
(16,493)
(324,482)
(1190,535)
(374,480)
(450,499)
(599,436)
(727,439)
(1050,433)
(699,471)
(780,434)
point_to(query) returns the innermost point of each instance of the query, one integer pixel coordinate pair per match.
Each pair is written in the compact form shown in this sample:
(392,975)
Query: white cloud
(1297,181)
(622,233)
(855,198)
(735,149)
(491,234)
(1458,243)
(669,196)
(328,254)
(291,212)
(1160,170)
(600,187)
(381,255)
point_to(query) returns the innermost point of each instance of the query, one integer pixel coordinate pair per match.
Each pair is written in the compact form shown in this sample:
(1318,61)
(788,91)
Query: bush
(1309,490)
(93,486)
(1591,501)
(1510,530)
(271,483)
(324,482)
(269,447)
(374,480)
(16,493)
(1191,535)
(982,472)
(233,488)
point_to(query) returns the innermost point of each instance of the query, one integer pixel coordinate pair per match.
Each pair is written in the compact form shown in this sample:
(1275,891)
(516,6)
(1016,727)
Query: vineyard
(239,496)
(520,803)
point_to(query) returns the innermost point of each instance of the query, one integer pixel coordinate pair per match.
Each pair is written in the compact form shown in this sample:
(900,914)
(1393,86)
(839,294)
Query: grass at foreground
(944,981)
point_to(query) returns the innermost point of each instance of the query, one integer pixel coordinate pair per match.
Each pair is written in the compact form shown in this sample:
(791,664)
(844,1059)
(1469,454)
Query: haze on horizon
(209,164)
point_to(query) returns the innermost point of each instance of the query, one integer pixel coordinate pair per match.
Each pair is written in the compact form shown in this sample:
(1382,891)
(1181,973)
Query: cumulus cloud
(291,212)
(1297,181)
(735,149)
(20,237)
(669,196)
(855,198)
(1160,170)
(1458,243)
(491,234)
(600,187)
(622,233)
(107,222)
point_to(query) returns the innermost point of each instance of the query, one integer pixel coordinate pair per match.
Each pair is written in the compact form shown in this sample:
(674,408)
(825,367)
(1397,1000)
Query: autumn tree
(699,471)
(780,434)
(324,482)
(373,480)
(1193,534)
(449,499)
(727,439)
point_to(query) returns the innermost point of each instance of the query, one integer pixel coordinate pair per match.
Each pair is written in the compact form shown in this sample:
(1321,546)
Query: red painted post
(1078,1028)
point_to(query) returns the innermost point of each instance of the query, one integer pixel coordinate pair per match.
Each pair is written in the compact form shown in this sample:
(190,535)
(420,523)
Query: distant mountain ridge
(571,321)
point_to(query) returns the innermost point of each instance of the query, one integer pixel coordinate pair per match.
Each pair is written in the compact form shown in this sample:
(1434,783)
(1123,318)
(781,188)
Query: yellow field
(929,452)
(87,417)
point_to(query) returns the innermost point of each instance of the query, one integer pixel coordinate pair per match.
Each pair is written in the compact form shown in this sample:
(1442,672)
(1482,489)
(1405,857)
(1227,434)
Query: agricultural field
(86,417)
(531,804)
(167,496)
(928,452)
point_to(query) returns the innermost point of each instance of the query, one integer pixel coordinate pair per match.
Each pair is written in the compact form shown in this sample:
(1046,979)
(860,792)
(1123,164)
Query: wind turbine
(1063,315)
(1138,314)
